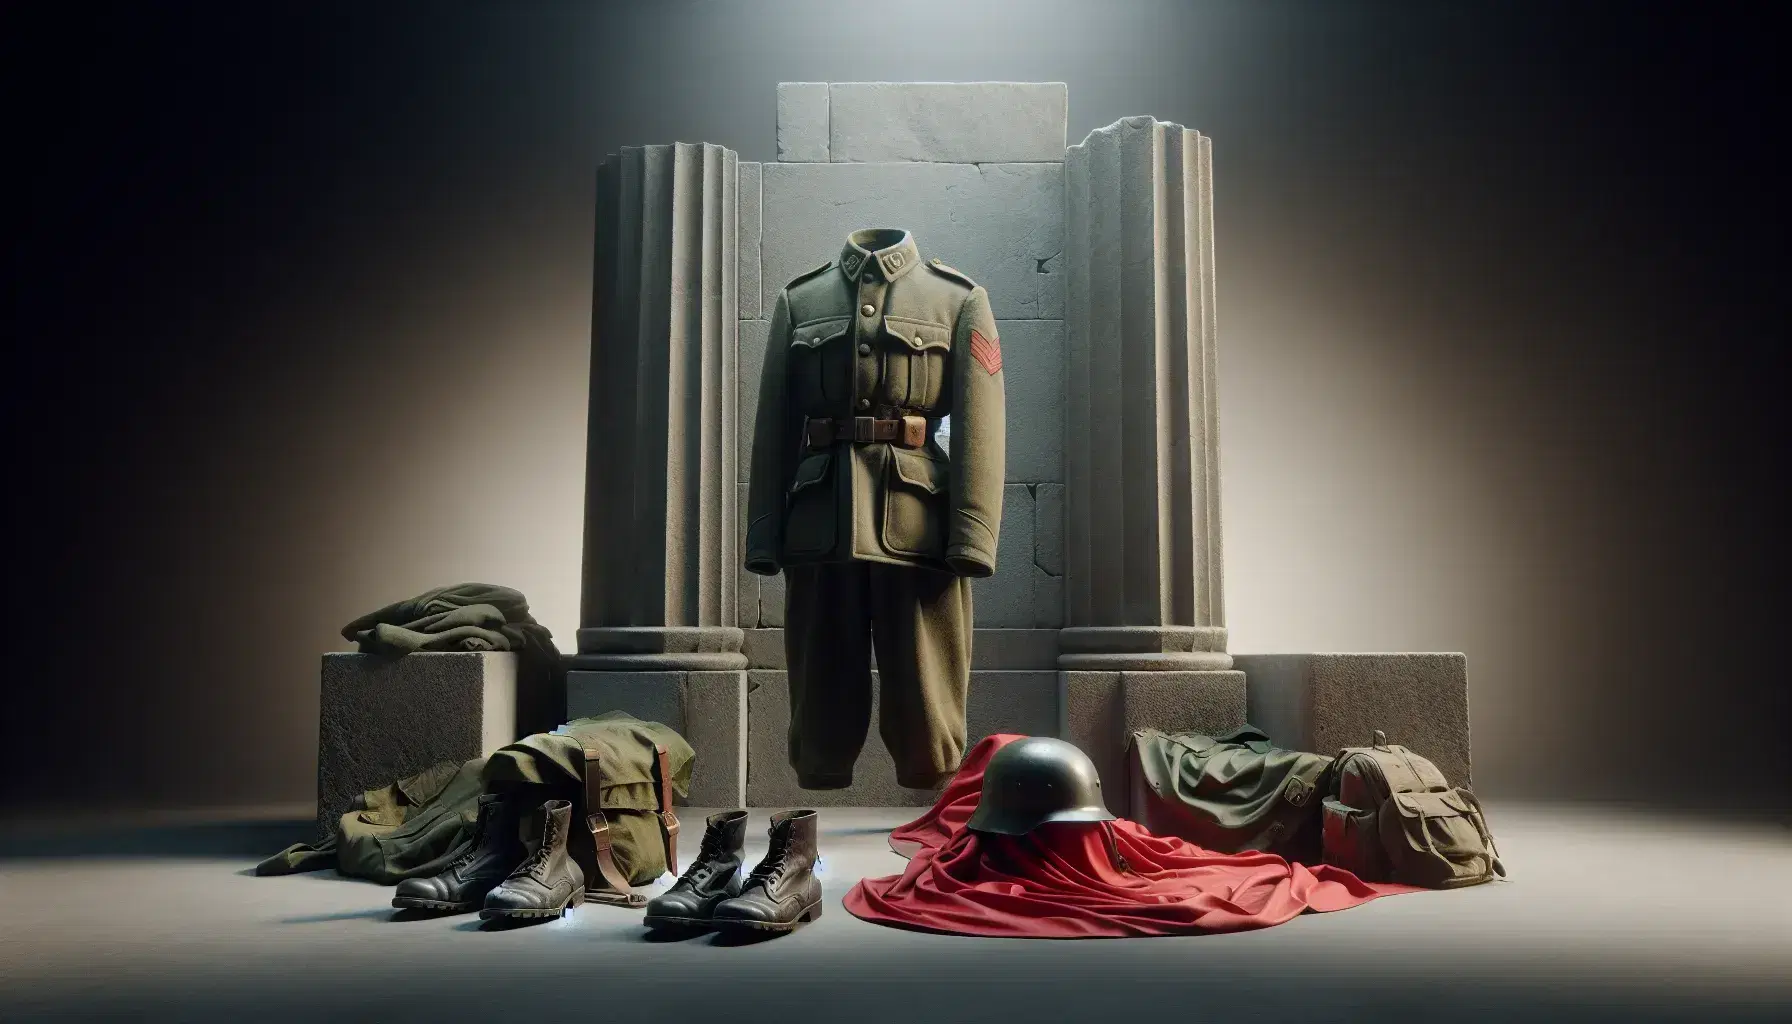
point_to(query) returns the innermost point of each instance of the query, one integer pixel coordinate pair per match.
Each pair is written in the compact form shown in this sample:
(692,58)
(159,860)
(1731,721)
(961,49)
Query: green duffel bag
(621,775)
(1229,793)
(1397,819)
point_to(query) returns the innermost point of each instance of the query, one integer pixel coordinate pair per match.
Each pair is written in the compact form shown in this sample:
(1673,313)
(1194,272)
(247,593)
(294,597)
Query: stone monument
(1106,611)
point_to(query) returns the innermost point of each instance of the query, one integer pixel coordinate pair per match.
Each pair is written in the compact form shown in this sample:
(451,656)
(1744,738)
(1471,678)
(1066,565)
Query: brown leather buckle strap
(599,825)
(906,431)
(668,820)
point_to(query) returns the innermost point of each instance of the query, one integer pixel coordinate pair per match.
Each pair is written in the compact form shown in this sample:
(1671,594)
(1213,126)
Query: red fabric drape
(1060,882)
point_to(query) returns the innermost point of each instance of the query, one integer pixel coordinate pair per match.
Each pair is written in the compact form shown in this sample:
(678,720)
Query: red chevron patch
(987,351)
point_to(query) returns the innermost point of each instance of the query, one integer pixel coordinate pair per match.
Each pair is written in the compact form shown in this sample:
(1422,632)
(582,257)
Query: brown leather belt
(907,432)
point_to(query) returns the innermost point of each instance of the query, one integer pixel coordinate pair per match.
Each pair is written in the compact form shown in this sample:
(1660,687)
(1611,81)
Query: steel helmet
(1037,779)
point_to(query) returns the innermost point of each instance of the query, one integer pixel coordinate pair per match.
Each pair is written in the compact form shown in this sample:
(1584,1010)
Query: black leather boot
(782,892)
(713,877)
(460,888)
(548,881)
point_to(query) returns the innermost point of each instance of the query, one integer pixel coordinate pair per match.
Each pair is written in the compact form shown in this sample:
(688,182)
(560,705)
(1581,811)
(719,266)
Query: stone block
(771,601)
(746,584)
(707,708)
(751,364)
(1014,649)
(715,725)
(649,696)
(952,122)
(1048,527)
(995,222)
(381,719)
(1048,600)
(764,648)
(803,121)
(1019,702)
(748,246)
(1034,395)
(1092,719)
(1324,702)
(1006,598)
(1016,701)
(1210,703)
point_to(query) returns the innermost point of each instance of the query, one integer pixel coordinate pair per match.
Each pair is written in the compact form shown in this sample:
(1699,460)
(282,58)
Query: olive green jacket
(879,333)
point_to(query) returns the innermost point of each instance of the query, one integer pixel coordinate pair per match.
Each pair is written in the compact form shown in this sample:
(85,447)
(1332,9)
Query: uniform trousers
(919,622)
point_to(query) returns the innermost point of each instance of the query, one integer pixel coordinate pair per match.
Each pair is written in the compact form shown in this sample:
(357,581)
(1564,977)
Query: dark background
(300,311)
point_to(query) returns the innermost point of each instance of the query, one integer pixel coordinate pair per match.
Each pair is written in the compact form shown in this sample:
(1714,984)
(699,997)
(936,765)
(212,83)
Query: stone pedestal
(1325,702)
(381,719)
(658,607)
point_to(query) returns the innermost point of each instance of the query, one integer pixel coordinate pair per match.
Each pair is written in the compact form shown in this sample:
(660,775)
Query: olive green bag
(621,775)
(1395,818)
(1229,793)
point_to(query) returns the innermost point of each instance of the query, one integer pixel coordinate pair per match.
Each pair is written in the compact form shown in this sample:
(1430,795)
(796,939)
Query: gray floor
(1610,916)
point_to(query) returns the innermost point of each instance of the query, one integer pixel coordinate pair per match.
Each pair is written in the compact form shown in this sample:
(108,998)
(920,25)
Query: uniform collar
(887,253)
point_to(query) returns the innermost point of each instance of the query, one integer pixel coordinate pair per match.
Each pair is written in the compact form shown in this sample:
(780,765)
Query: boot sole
(433,906)
(681,924)
(807,914)
(536,913)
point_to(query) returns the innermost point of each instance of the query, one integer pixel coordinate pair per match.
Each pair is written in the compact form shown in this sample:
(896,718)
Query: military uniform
(877,530)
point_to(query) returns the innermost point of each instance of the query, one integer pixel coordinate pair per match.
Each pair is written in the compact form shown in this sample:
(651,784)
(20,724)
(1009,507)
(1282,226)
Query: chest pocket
(820,366)
(916,356)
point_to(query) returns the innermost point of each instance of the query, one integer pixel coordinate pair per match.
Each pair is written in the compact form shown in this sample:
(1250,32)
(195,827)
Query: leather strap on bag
(622,893)
(668,820)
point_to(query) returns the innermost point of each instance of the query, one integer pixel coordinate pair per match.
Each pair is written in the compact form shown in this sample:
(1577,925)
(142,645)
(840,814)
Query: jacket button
(864,350)
(867,309)
(869,278)
(864,403)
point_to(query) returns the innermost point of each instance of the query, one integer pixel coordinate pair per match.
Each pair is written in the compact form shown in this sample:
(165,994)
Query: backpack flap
(1351,840)
(1438,840)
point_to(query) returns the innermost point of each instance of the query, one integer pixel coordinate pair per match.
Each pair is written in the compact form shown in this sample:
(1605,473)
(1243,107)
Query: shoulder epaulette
(807,274)
(951,272)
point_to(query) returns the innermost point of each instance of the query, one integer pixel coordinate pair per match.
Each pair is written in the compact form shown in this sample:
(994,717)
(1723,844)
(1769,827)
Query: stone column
(658,635)
(1145,637)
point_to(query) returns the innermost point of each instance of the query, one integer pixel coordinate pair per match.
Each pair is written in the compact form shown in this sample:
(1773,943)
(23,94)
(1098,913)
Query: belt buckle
(863,429)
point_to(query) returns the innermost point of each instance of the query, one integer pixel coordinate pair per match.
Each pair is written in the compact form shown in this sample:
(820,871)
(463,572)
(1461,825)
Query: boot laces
(772,866)
(549,830)
(708,850)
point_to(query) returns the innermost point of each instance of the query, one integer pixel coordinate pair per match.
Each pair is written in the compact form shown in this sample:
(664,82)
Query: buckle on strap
(600,829)
(864,429)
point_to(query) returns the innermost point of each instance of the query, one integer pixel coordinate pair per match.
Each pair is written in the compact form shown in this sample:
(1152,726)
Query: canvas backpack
(1395,818)
(621,775)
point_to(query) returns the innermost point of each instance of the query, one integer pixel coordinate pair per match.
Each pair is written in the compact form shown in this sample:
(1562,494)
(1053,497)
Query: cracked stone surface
(994,222)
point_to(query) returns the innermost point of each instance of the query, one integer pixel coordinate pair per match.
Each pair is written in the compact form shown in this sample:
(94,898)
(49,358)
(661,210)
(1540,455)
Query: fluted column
(660,501)
(1142,557)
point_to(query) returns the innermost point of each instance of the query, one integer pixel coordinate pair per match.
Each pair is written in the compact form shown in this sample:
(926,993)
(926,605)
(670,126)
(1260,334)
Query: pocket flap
(812,470)
(1443,804)
(819,332)
(919,471)
(918,334)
